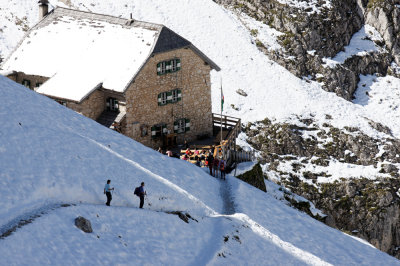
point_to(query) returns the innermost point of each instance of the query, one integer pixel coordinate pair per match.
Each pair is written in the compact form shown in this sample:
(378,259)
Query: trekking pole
(147,199)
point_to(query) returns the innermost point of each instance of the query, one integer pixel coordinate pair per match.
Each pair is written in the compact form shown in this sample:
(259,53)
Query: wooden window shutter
(168,66)
(178,64)
(159,69)
(169,97)
(159,99)
(153,132)
(179,95)
(187,124)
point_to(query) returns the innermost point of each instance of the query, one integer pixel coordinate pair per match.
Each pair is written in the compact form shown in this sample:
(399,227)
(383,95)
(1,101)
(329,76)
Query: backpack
(137,191)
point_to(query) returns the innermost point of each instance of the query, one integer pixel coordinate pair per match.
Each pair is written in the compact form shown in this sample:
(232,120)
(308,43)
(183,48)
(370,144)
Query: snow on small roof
(78,51)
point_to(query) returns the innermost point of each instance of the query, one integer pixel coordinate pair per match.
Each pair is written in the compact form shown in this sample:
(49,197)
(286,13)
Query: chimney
(43,8)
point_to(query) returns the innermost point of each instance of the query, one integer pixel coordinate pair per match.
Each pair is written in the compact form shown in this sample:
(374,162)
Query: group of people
(205,158)
(202,158)
(139,191)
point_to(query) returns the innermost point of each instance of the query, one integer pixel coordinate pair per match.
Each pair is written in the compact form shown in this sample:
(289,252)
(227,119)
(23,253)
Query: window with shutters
(181,125)
(158,130)
(169,97)
(112,104)
(176,95)
(26,83)
(162,98)
(169,66)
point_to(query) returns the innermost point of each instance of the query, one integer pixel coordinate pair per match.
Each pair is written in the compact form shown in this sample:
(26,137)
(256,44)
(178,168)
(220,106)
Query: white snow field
(51,155)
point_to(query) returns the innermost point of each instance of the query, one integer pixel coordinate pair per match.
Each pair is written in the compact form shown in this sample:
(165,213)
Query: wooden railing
(227,148)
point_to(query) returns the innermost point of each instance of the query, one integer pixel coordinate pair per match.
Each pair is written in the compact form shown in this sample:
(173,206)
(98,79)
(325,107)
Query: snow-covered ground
(51,155)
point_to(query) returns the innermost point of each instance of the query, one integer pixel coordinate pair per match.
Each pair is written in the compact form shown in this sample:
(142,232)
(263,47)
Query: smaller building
(140,78)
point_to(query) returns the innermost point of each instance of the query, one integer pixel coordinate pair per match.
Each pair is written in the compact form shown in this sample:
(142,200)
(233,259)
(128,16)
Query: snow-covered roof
(79,51)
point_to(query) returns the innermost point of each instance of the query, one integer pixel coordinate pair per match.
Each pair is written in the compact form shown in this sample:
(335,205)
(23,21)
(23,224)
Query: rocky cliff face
(384,15)
(321,30)
(363,207)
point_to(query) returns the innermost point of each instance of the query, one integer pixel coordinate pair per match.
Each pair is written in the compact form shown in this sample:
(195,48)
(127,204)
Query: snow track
(27,218)
(305,256)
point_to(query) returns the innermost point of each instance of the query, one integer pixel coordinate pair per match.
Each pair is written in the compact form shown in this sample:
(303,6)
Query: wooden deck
(229,128)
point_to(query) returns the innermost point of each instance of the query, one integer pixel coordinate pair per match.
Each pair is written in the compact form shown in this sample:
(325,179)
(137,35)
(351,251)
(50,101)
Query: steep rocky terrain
(320,30)
(302,156)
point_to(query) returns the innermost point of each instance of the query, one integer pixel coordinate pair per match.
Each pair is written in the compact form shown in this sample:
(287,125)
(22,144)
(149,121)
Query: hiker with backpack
(140,192)
(107,191)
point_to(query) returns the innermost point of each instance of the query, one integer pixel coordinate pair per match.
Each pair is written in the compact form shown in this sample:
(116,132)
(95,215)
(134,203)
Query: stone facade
(91,107)
(143,111)
(35,81)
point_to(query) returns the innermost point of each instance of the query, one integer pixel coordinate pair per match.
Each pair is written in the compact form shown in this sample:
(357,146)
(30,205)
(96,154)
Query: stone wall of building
(143,111)
(35,81)
(91,107)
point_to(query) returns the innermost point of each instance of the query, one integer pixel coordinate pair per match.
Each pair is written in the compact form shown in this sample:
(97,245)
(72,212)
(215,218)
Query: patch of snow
(311,52)
(310,6)
(360,44)
(261,32)
(244,167)
(380,97)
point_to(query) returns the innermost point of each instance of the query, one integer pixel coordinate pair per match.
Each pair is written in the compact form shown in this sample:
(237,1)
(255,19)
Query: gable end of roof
(168,40)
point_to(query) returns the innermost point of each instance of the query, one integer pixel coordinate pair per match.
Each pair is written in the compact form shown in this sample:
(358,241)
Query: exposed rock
(326,33)
(384,15)
(183,216)
(275,141)
(254,177)
(369,209)
(241,92)
(83,224)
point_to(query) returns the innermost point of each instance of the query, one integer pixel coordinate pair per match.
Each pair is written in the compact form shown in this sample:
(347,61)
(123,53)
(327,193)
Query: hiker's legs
(141,201)
(109,198)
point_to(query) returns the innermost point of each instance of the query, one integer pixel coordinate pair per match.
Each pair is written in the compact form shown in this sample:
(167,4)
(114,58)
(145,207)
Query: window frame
(181,125)
(168,66)
(26,83)
(174,96)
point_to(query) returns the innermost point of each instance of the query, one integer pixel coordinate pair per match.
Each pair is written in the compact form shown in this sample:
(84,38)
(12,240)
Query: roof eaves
(205,58)
(98,86)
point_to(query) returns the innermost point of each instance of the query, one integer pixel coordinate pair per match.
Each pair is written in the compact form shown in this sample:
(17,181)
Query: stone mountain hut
(140,78)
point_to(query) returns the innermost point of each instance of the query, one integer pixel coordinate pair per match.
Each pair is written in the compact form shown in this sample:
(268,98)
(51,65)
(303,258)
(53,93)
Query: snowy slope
(51,155)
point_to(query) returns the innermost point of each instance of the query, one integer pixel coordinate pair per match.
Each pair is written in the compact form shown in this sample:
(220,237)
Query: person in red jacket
(215,166)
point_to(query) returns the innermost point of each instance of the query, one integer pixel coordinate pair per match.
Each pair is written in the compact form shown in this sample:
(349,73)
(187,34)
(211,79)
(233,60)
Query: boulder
(83,224)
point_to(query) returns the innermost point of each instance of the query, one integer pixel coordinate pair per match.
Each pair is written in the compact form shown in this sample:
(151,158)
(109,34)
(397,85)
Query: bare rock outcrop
(322,30)
(83,224)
